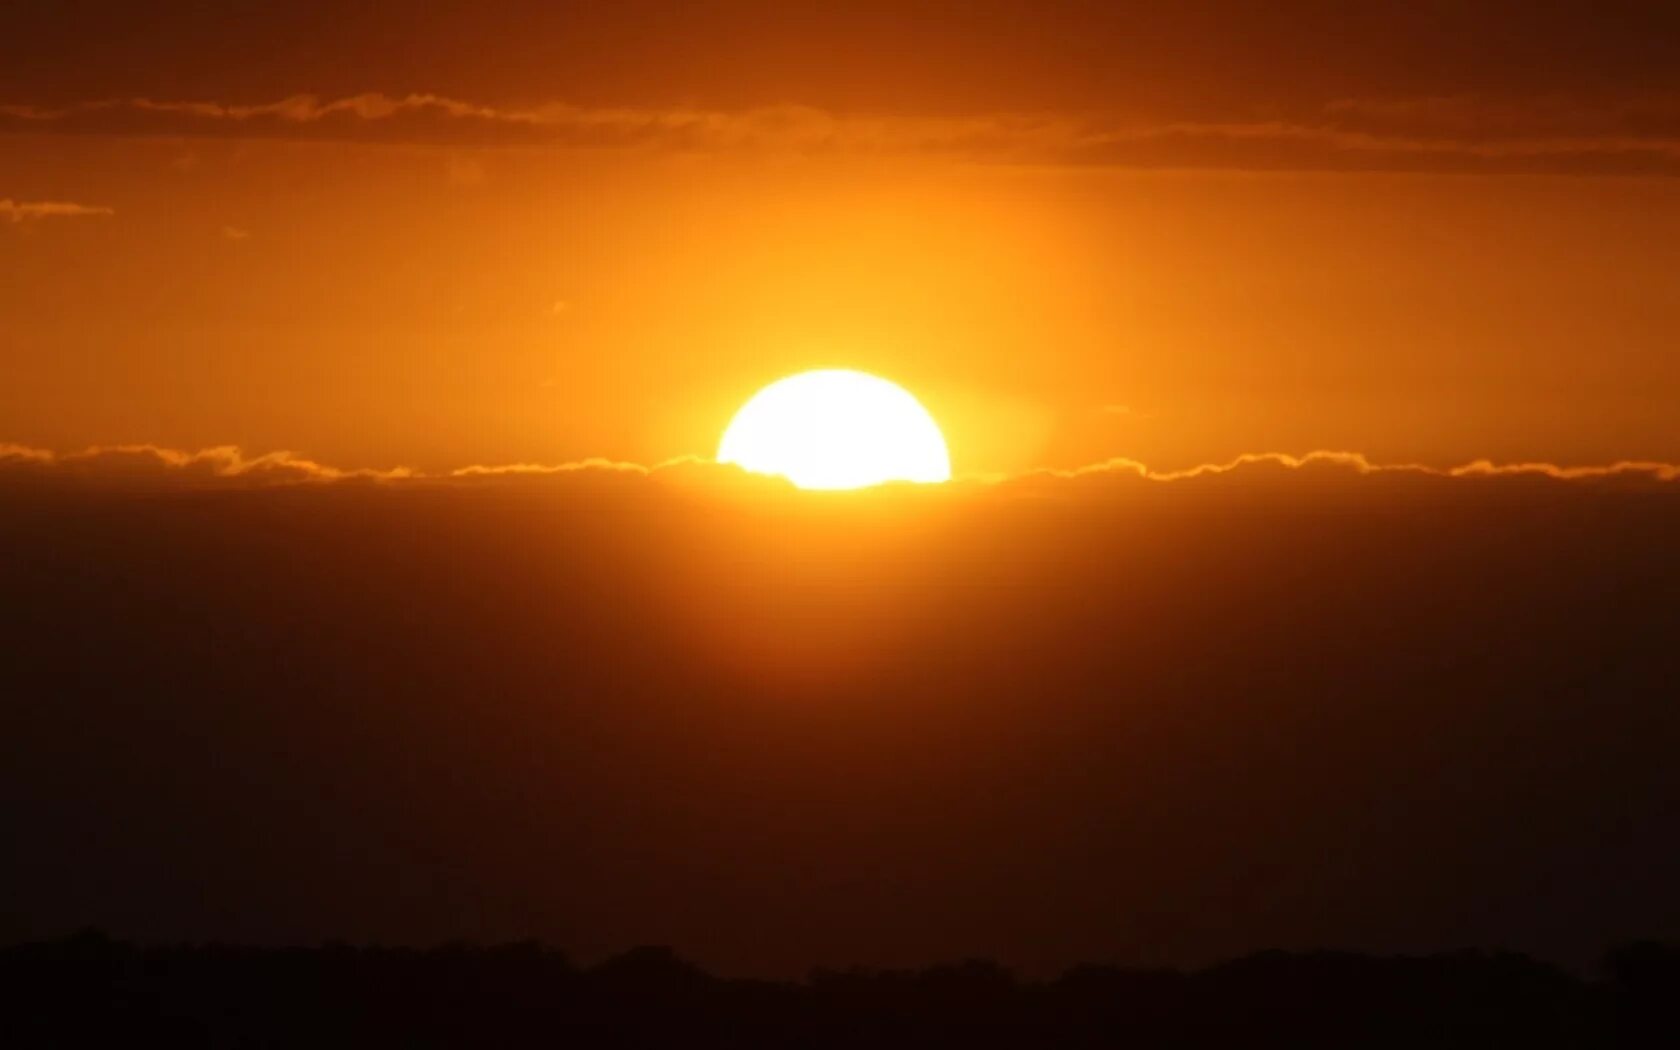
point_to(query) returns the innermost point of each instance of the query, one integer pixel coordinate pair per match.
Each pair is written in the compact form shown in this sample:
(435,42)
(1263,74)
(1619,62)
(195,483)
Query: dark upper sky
(1158,59)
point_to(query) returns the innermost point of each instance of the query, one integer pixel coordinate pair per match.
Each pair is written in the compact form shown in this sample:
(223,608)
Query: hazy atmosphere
(855,486)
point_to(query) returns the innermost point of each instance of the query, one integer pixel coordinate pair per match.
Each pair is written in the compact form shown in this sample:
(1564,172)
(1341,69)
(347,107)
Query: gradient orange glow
(438,307)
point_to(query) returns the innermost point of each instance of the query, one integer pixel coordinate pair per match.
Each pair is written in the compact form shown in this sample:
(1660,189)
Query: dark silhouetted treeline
(89,989)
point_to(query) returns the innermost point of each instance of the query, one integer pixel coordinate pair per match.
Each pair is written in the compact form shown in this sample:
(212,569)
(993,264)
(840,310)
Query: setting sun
(836,429)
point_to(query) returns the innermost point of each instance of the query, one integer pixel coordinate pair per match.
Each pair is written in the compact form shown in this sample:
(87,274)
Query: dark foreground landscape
(91,990)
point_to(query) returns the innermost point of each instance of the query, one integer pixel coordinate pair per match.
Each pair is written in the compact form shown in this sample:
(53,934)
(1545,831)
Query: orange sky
(1436,261)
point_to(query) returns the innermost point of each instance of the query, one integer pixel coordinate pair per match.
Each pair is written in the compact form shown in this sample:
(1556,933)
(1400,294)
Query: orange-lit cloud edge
(229,466)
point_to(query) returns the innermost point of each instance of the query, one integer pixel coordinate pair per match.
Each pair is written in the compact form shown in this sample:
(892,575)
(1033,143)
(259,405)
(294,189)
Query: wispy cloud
(230,464)
(1124,412)
(224,462)
(26,211)
(594,463)
(1639,135)
(1359,463)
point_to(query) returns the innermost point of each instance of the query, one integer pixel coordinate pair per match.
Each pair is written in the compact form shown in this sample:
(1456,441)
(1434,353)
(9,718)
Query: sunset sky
(439,236)
(1310,375)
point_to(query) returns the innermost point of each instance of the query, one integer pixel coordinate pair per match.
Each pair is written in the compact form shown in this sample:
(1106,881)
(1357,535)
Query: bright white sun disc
(836,429)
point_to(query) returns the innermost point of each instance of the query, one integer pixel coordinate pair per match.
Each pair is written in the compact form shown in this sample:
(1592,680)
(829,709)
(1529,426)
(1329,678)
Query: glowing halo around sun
(836,429)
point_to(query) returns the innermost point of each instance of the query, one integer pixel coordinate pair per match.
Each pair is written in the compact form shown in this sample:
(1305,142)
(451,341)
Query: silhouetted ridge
(89,988)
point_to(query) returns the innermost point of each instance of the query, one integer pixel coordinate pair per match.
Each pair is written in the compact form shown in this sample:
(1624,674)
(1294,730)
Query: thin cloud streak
(229,463)
(25,211)
(1361,464)
(223,462)
(593,463)
(1639,136)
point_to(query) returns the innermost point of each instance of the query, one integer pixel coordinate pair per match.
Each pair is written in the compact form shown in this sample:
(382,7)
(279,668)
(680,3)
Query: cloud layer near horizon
(146,463)
(1633,135)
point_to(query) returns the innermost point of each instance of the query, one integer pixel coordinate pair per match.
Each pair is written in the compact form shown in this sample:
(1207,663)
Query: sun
(836,429)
